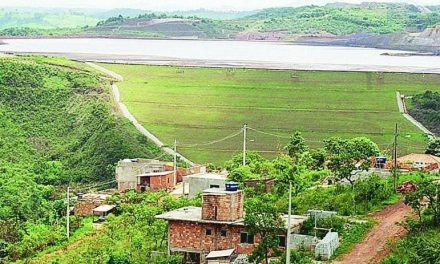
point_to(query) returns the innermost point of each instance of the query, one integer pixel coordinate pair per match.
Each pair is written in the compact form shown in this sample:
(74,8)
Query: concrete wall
(128,169)
(192,186)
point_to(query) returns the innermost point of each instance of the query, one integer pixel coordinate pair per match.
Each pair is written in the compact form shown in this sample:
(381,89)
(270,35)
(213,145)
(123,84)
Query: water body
(276,55)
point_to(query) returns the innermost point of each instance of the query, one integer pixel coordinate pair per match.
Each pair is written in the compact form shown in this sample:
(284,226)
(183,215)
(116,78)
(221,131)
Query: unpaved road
(124,111)
(374,248)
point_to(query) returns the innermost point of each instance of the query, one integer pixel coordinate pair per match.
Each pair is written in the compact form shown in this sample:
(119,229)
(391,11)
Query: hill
(197,106)
(57,127)
(384,25)
(46,19)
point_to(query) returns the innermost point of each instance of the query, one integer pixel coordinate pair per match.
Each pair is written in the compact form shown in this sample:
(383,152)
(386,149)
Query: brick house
(149,174)
(216,226)
(155,181)
(417,162)
(87,202)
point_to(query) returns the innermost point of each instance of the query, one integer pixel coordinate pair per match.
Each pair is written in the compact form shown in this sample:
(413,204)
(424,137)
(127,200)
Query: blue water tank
(231,186)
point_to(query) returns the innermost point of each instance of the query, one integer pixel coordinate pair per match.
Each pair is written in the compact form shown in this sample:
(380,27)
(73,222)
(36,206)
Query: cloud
(162,5)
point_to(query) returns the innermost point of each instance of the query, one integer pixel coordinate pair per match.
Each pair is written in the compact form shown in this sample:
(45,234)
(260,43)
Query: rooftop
(104,208)
(207,176)
(219,191)
(152,174)
(425,158)
(220,253)
(194,214)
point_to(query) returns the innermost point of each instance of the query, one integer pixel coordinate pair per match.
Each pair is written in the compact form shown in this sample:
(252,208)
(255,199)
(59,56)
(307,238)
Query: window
(282,241)
(214,186)
(208,232)
(245,238)
(223,232)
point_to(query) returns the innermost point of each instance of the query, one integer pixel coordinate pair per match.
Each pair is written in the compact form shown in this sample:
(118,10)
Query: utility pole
(244,144)
(175,162)
(395,158)
(68,214)
(288,225)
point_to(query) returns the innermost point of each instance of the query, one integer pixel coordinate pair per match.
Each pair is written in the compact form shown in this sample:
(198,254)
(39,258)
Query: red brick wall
(223,207)
(158,183)
(192,236)
(181,172)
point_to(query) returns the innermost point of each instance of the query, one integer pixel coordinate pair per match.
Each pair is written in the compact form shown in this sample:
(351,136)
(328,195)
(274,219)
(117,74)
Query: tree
(434,147)
(430,191)
(296,145)
(350,155)
(263,219)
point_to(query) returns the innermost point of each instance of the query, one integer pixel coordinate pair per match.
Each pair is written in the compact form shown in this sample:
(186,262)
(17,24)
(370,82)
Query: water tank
(231,186)
(380,162)
(80,196)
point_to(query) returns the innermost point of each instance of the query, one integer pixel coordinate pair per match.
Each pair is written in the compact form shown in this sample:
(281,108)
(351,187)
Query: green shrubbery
(426,109)
(56,127)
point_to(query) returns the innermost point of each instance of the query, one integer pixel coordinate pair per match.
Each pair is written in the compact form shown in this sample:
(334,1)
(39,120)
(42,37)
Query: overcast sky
(183,4)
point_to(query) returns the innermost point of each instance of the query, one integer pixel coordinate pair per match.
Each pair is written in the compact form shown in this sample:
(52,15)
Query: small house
(155,181)
(417,162)
(87,202)
(215,231)
(197,183)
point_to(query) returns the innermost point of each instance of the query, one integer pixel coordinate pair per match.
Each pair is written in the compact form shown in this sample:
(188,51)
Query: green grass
(197,105)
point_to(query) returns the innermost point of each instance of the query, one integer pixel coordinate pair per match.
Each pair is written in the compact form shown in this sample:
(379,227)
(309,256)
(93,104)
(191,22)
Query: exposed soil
(374,248)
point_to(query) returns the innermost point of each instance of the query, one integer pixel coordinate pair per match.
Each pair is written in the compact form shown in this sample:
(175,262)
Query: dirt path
(373,249)
(127,114)
(403,111)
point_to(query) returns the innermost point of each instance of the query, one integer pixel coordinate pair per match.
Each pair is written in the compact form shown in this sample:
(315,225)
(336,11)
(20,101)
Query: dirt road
(373,249)
(127,114)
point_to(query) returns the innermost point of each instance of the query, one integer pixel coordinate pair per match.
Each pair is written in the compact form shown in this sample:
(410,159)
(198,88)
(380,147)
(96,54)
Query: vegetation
(57,127)
(334,19)
(44,19)
(288,22)
(422,245)
(345,19)
(346,156)
(434,147)
(262,219)
(426,109)
(215,103)
(123,239)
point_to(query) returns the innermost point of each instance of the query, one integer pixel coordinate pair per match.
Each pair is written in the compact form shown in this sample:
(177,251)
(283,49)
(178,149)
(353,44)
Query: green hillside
(199,105)
(57,127)
(344,19)
(44,20)
(336,19)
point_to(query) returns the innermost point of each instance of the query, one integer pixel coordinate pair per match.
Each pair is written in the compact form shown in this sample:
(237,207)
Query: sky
(170,5)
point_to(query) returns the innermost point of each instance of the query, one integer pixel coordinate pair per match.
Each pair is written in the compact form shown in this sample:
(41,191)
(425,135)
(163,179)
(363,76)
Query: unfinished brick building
(216,226)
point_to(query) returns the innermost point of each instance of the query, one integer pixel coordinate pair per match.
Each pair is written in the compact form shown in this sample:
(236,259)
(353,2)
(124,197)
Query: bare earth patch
(374,248)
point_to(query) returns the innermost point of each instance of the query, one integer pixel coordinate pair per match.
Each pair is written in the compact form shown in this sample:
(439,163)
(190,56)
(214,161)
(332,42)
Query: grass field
(199,105)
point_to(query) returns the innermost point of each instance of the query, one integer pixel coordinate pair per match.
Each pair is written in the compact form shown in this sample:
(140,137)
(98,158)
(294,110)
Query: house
(197,183)
(417,162)
(215,229)
(88,202)
(103,210)
(127,171)
(155,181)
(149,174)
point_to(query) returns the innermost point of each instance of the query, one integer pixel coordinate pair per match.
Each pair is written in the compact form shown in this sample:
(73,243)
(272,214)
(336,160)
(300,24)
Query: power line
(97,185)
(267,133)
(214,141)
(278,136)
